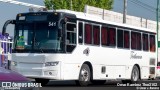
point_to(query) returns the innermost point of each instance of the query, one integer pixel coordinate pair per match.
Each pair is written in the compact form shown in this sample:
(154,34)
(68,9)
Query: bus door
(70,36)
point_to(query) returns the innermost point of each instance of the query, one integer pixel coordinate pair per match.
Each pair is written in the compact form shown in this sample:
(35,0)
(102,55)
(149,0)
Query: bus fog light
(51,63)
(53,73)
(50,73)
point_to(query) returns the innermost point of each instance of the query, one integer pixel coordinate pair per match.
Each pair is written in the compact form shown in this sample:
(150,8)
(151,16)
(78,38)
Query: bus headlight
(14,63)
(51,63)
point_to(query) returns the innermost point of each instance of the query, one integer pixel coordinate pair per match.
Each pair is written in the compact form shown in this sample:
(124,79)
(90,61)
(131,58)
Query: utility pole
(124,11)
(157,19)
(71,5)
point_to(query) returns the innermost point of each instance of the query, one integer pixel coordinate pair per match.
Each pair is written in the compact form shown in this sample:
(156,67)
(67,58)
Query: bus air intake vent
(152,70)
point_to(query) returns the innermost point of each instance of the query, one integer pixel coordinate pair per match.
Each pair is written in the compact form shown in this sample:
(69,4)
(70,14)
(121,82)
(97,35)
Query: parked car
(158,70)
(8,77)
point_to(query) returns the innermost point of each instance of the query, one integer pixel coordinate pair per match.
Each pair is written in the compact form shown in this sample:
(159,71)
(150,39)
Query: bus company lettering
(135,56)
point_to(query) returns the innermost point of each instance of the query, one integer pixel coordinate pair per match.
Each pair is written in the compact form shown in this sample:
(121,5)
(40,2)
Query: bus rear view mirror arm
(6,24)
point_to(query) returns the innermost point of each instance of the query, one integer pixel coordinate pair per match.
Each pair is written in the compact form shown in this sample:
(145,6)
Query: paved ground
(109,85)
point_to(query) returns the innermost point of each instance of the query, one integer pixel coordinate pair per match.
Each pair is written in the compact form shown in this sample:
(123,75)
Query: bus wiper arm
(41,50)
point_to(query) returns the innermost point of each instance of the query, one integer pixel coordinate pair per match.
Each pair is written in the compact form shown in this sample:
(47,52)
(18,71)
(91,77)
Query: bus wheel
(135,74)
(84,76)
(42,81)
(98,82)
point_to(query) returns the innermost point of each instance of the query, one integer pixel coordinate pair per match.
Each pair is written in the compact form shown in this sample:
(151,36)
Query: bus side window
(145,42)
(136,40)
(88,34)
(139,46)
(126,39)
(152,43)
(96,35)
(104,36)
(133,40)
(111,37)
(120,38)
(80,37)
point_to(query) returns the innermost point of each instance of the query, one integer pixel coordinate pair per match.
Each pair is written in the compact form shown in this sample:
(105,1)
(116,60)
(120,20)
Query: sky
(140,8)
(144,8)
(9,11)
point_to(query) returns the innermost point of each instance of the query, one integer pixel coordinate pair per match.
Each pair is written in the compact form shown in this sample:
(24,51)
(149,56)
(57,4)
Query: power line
(143,5)
(149,8)
(146,5)
(23,4)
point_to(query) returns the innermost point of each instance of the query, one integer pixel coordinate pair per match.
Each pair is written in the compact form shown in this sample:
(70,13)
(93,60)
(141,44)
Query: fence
(118,17)
(5,50)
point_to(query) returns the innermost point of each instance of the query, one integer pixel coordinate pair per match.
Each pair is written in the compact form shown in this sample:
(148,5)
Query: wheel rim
(84,75)
(135,75)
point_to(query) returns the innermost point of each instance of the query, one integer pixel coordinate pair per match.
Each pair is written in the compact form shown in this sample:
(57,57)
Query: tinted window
(145,42)
(111,37)
(96,35)
(136,40)
(152,43)
(120,38)
(133,40)
(139,46)
(104,35)
(88,34)
(126,39)
(80,32)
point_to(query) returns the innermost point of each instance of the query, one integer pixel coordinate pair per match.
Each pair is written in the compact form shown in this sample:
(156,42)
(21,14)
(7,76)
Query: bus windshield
(40,37)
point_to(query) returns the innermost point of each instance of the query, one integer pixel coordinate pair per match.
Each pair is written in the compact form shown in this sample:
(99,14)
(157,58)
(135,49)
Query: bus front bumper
(38,71)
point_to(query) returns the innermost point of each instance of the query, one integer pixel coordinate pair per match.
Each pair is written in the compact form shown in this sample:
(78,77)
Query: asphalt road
(73,84)
(109,85)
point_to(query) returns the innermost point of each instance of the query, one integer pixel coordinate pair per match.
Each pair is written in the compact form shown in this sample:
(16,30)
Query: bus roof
(85,16)
(94,18)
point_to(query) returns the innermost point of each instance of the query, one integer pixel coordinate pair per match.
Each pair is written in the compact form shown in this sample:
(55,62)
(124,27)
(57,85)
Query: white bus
(68,45)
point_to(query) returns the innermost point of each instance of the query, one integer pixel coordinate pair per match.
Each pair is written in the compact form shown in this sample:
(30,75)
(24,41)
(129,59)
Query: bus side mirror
(60,23)
(6,24)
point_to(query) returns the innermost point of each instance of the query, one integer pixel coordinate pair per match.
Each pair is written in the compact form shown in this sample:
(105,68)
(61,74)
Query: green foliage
(77,5)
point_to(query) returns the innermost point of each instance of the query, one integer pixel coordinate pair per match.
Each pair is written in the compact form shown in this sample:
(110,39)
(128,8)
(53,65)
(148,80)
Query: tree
(77,5)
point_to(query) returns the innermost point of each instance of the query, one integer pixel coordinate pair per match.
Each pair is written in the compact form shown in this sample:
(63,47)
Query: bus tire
(135,75)
(98,82)
(84,76)
(42,81)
